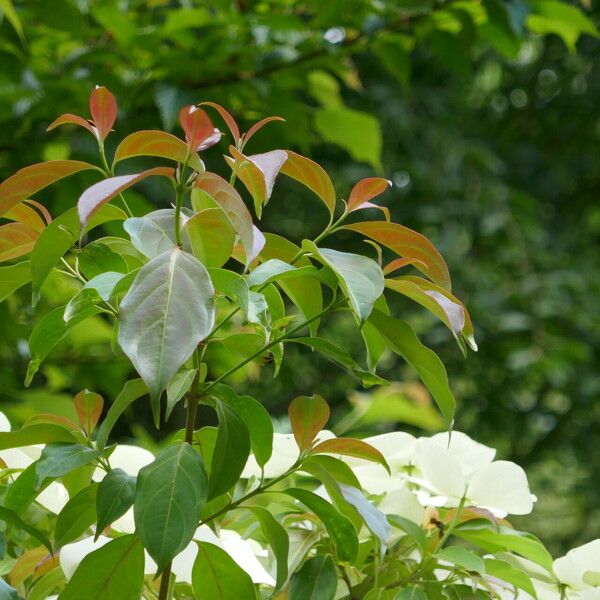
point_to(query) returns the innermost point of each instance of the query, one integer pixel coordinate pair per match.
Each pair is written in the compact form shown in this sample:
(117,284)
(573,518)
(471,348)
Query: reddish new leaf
(16,239)
(70,119)
(23,213)
(232,204)
(408,244)
(29,180)
(100,193)
(103,108)
(229,120)
(365,190)
(259,125)
(89,407)
(312,175)
(308,415)
(351,447)
(41,209)
(157,143)
(199,131)
(400,263)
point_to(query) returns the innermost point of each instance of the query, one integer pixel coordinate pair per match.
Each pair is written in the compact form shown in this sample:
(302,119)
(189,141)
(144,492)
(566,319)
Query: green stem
(163,594)
(192,403)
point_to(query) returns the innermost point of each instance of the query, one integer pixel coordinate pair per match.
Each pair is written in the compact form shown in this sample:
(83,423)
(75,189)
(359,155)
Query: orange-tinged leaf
(199,131)
(365,190)
(29,180)
(312,175)
(70,119)
(100,193)
(351,447)
(22,213)
(41,209)
(50,418)
(259,125)
(211,236)
(26,564)
(308,415)
(103,108)
(16,239)
(232,204)
(226,116)
(157,143)
(89,407)
(400,263)
(408,244)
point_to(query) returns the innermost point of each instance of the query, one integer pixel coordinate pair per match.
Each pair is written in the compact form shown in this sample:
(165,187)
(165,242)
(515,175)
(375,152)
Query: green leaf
(22,491)
(113,572)
(7,592)
(462,557)
(177,388)
(316,580)
(132,390)
(57,460)
(339,527)
(105,283)
(78,514)
(276,270)
(308,415)
(8,10)
(166,313)
(231,450)
(44,586)
(356,132)
(232,286)
(97,258)
(81,304)
(402,340)
(211,236)
(169,496)
(411,529)
(255,416)
(277,538)
(154,233)
(340,357)
(503,570)
(411,593)
(39,433)
(216,576)
(12,518)
(360,277)
(116,493)
(13,277)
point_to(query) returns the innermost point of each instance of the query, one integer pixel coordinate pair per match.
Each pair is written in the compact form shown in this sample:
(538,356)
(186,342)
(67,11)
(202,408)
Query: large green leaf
(166,313)
(211,236)
(59,459)
(38,433)
(361,278)
(216,576)
(78,514)
(113,572)
(316,580)
(402,340)
(169,496)
(11,517)
(13,277)
(116,493)
(231,450)
(154,233)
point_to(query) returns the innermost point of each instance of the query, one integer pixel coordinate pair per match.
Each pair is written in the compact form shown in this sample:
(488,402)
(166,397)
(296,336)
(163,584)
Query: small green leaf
(216,576)
(154,233)
(177,388)
(232,286)
(411,529)
(78,514)
(97,258)
(116,493)
(462,557)
(316,580)
(411,593)
(57,460)
(308,415)
(231,450)
(11,517)
(87,301)
(503,570)
(113,572)
(339,527)
(169,496)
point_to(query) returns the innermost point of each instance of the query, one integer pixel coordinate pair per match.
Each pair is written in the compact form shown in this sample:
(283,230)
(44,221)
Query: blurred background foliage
(483,114)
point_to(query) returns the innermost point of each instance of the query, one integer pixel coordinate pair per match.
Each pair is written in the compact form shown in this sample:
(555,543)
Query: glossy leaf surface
(115,496)
(16,239)
(317,580)
(308,415)
(103,108)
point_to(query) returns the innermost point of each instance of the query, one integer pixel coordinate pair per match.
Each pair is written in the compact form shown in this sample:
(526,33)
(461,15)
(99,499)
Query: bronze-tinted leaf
(226,116)
(23,213)
(197,127)
(351,447)
(70,119)
(259,125)
(16,239)
(103,108)
(365,190)
(308,415)
(88,406)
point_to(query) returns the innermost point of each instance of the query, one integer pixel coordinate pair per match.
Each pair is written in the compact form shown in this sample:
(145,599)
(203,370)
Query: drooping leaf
(463,558)
(157,143)
(169,496)
(506,572)
(227,198)
(177,388)
(312,175)
(16,239)
(59,459)
(12,518)
(132,390)
(226,116)
(78,514)
(102,192)
(216,576)
(408,244)
(166,313)
(232,449)
(154,233)
(13,277)
(317,580)
(360,277)
(113,572)
(103,108)
(351,447)
(71,119)
(365,190)
(39,433)
(402,340)
(29,180)
(24,213)
(211,236)
(89,407)
(115,496)
(308,415)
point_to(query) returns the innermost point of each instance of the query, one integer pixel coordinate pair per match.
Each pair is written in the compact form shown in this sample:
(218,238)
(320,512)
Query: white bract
(579,569)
